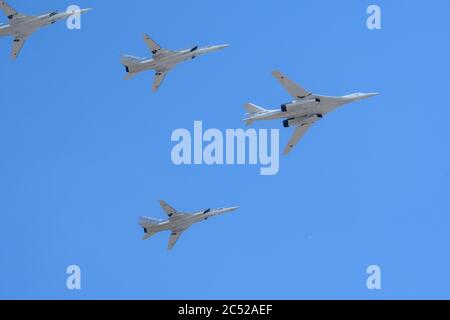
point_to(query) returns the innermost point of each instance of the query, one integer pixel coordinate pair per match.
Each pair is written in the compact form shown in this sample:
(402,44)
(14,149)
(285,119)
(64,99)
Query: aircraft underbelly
(183,224)
(170,61)
(159,228)
(145,66)
(4,31)
(167,64)
(274,117)
(299,113)
(23,28)
(322,109)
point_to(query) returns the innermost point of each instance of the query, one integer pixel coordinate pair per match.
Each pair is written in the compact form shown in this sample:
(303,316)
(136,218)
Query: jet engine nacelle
(296,105)
(293,122)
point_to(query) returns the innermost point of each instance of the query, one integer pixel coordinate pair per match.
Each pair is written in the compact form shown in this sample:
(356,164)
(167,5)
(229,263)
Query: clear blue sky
(84,153)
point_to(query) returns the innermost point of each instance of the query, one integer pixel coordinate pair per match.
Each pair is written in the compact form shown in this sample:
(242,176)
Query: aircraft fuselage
(169,60)
(28,24)
(315,105)
(185,221)
(20,25)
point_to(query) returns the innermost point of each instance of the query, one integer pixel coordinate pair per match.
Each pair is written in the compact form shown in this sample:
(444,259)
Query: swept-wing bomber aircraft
(162,61)
(303,111)
(177,222)
(21,26)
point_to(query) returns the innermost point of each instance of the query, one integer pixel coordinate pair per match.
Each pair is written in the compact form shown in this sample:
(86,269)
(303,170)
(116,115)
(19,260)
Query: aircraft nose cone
(85,10)
(220,47)
(362,96)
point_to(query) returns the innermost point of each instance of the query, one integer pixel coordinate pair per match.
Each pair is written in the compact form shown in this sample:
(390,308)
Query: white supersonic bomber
(303,111)
(21,26)
(163,60)
(177,222)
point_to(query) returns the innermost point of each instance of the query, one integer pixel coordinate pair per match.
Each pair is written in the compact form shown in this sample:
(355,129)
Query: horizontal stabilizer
(129,75)
(148,235)
(130,61)
(253,108)
(148,222)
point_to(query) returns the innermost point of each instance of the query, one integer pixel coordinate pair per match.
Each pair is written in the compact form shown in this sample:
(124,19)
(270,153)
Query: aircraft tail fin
(147,224)
(130,62)
(252,110)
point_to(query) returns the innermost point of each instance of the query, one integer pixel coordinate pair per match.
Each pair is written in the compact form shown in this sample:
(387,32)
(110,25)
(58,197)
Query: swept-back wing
(159,78)
(300,131)
(167,208)
(294,89)
(152,45)
(155,48)
(9,11)
(18,44)
(173,239)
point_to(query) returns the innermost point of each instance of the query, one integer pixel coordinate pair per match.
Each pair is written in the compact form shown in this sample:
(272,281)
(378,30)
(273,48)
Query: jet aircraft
(177,222)
(162,61)
(21,26)
(303,111)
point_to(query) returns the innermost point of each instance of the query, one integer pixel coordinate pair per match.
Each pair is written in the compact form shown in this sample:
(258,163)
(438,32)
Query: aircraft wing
(294,89)
(167,208)
(173,239)
(9,11)
(300,131)
(152,45)
(155,48)
(159,78)
(18,44)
